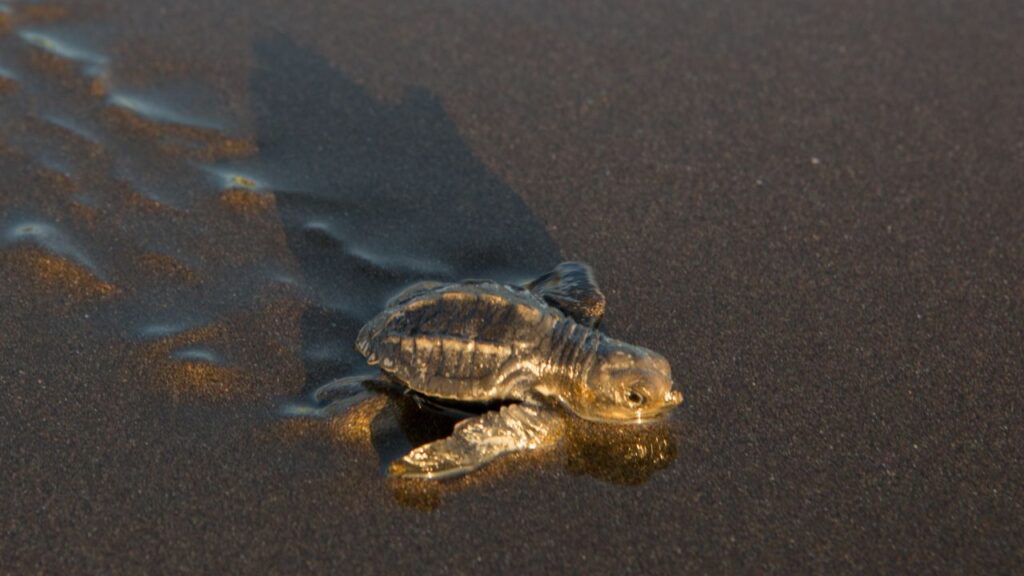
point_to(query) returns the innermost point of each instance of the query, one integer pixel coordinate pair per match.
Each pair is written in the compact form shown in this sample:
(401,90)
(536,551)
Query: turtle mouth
(630,418)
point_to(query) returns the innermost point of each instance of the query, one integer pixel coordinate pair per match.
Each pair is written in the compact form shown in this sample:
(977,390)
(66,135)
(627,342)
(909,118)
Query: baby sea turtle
(528,347)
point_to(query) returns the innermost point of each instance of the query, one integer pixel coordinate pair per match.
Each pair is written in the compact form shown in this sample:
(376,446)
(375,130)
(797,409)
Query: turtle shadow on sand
(376,195)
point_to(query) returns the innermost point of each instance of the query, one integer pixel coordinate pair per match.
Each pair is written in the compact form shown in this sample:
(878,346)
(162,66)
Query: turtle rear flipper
(571,288)
(477,441)
(335,397)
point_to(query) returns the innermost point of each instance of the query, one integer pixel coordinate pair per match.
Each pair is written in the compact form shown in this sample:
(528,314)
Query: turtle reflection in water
(524,349)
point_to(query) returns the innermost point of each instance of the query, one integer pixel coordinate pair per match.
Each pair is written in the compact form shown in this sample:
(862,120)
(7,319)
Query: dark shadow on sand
(376,196)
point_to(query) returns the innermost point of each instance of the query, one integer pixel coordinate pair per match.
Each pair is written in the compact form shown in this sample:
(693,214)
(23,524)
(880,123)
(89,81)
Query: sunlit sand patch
(627,455)
(199,370)
(422,495)
(248,201)
(353,426)
(60,271)
(53,274)
(193,379)
(5,18)
(170,337)
(189,377)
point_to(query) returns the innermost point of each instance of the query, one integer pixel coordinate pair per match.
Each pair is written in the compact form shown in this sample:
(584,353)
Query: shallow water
(812,209)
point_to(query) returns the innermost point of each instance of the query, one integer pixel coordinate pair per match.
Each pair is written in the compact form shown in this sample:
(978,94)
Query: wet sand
(811,208)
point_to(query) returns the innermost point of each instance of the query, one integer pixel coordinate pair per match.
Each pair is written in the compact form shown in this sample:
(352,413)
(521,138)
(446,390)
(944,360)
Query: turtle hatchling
(524,348)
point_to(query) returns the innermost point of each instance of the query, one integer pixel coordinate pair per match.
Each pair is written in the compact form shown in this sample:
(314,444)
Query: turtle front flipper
(571,288)
(477,441)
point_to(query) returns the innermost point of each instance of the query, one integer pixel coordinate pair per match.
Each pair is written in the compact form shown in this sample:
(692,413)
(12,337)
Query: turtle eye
(634,397)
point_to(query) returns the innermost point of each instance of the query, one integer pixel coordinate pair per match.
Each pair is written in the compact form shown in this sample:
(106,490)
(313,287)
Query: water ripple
(94,63)
(198,354)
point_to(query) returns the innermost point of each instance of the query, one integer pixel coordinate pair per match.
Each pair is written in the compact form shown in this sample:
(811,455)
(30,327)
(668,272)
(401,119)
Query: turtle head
(626,384)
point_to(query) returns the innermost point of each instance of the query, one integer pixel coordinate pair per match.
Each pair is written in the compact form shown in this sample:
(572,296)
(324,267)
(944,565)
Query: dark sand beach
(814,210)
